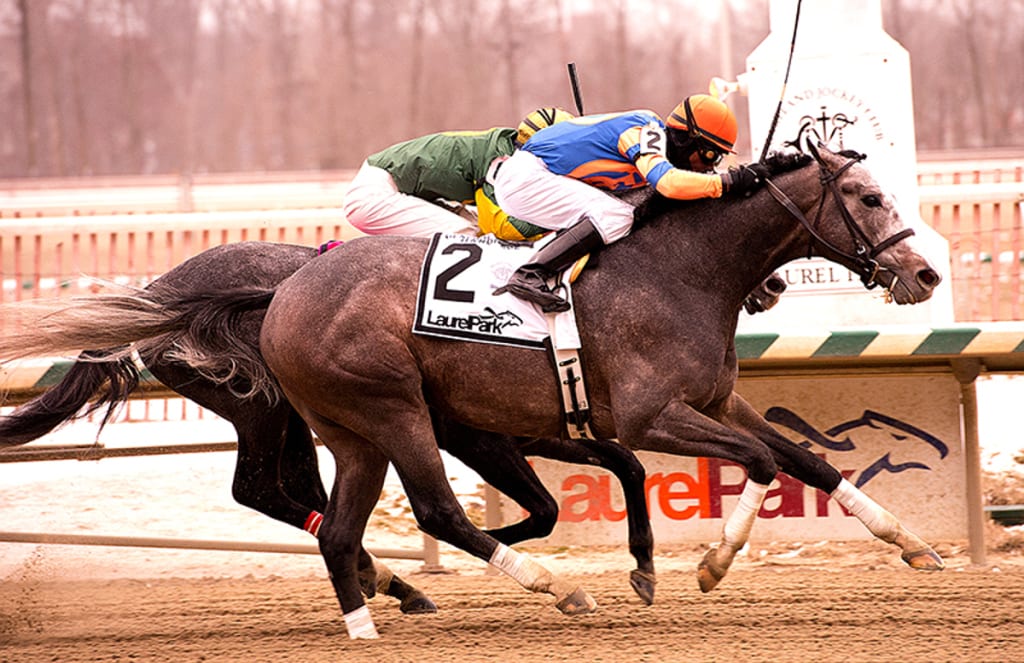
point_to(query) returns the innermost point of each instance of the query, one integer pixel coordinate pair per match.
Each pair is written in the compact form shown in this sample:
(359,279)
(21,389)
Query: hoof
(709,573)
(924,560)
(418,603)
(643,584)
(577,602)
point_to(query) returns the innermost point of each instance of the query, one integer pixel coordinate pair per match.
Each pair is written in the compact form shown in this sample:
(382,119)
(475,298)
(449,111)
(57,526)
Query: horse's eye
(871,200)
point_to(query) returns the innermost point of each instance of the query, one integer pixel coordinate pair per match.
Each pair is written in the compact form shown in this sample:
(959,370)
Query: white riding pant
(527,190)
(375,206)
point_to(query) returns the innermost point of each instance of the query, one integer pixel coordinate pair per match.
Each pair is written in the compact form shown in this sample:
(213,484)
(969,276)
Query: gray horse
(657,321)
(276,471)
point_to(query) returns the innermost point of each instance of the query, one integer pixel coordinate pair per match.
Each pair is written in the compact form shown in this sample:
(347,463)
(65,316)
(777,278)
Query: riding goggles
(710,156)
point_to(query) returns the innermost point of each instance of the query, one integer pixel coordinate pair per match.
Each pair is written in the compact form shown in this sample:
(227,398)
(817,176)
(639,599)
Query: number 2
(652,140)
(441,289)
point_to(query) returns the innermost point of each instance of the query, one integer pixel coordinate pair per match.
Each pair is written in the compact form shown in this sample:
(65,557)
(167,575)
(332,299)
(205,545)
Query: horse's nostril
(929,278)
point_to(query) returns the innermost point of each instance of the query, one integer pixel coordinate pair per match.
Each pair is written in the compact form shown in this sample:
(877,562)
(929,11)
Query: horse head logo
(502,320)
(840,438)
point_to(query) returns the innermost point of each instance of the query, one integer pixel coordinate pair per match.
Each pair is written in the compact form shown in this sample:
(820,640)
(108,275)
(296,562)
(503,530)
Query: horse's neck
(726,247)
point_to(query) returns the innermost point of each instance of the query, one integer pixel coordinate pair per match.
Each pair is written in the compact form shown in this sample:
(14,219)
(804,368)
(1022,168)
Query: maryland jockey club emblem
(824,129)
(834,117)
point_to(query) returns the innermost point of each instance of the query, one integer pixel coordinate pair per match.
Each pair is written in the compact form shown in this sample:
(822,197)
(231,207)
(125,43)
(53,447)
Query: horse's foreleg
(811,469)
(631,474)
(499,461)
(679,429)
(734,536)
(918,554)
(439,513)
(536,578)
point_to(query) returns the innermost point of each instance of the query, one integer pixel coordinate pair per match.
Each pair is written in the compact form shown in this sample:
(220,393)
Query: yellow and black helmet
(538,119)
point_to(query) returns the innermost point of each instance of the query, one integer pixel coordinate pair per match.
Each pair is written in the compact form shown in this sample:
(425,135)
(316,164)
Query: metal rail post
(966,372)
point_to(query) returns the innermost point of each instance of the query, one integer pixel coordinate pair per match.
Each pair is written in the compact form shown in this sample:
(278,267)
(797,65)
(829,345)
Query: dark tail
(75,396)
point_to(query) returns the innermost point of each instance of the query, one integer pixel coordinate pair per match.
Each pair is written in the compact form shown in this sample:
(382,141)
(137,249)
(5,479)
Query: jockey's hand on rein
(744,180)
(783,162)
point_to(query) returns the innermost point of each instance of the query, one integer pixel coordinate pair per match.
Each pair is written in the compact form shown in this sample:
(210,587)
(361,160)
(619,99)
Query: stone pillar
(850,87)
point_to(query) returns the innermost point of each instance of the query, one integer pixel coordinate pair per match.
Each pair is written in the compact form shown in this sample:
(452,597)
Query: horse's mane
(651,205)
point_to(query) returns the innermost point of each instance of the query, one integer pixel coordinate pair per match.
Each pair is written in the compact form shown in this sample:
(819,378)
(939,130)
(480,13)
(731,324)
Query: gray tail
(201,329)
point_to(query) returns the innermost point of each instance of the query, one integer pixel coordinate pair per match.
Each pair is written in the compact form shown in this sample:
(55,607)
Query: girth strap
(564,342)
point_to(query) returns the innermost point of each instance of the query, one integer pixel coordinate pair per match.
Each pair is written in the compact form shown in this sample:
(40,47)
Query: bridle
(864,253)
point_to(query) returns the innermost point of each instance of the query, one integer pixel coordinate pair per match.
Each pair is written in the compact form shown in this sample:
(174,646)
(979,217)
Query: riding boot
(529,282)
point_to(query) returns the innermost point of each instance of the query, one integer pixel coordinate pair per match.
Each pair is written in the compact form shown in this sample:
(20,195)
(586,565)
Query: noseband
(863,257)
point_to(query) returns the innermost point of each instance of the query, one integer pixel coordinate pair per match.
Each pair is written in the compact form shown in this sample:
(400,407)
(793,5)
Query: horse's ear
(815,149)
(853,154)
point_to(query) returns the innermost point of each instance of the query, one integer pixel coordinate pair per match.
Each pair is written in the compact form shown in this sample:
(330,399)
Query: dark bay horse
(276,471)
(657,322)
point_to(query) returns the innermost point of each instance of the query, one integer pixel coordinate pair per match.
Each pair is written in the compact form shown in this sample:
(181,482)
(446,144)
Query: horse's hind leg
(412,448)
(276,470)
(299,474)
(375,576)
(499,462)
(358,481)
(631,474)
(272,456)
(806,466)
(298,467)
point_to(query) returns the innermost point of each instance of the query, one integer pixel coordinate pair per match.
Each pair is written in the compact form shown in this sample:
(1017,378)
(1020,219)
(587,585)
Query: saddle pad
(458,275)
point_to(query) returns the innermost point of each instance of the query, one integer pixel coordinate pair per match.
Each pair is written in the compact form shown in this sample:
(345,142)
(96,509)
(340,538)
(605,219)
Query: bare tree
(418,14)
(31,133)
(132,131)
(624,64)
(82,153)
(339,72)
(968,15)
(511,53)
(127,86)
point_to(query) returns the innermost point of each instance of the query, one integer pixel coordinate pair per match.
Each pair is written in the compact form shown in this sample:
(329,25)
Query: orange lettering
(668,494)
(567,512)
(704,482)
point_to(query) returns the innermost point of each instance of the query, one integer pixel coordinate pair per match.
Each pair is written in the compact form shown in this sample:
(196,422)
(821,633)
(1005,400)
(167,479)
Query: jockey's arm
(645,146)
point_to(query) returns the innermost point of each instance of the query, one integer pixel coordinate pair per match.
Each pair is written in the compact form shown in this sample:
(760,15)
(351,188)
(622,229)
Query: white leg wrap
(737,527)
(360,624)
(521,568)
(879,522)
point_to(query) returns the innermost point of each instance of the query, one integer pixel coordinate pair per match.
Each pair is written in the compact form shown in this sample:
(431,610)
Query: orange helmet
(703,116)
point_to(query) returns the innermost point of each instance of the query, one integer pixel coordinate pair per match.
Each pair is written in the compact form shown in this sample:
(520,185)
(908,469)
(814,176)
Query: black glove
(745,180)
(783,162)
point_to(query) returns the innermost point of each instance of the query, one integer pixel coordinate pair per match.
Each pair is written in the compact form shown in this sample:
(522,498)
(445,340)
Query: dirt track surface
(824,610)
